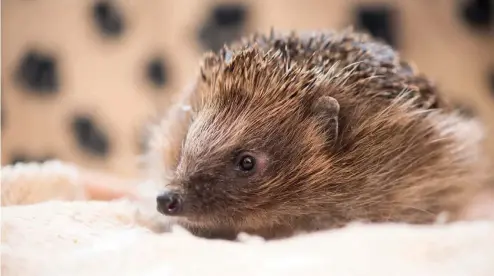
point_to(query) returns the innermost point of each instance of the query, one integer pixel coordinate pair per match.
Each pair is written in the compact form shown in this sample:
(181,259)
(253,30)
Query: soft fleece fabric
(50,227)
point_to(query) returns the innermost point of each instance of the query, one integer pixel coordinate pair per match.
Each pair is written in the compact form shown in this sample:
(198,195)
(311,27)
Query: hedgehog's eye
(246,162)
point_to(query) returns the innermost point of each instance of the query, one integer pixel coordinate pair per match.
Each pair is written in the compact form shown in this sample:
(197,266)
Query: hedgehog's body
(294,134)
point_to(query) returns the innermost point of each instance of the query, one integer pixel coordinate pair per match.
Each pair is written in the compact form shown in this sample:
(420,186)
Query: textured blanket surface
(68,234)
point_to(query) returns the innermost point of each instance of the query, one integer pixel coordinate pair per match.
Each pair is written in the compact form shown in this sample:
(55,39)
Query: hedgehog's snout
(170,203)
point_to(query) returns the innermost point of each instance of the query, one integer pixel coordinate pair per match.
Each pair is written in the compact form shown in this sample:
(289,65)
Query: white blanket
(68,236)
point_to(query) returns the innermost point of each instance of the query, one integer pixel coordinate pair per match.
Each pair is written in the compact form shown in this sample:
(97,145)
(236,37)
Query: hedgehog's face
(230,173)
(244,170)
(251,149)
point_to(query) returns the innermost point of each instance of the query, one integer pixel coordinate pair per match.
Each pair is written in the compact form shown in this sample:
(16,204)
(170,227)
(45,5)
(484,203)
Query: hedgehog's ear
(327,109)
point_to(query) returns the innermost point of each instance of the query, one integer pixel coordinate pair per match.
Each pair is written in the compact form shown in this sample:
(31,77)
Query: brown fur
(395,151)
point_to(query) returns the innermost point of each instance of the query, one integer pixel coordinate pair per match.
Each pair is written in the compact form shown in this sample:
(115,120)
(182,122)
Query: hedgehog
(289,133)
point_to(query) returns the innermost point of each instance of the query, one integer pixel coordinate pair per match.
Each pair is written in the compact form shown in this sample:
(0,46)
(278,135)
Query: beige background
(105,78)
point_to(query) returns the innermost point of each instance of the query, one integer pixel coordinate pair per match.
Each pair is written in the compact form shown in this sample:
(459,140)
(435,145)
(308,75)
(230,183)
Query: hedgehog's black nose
(169,203)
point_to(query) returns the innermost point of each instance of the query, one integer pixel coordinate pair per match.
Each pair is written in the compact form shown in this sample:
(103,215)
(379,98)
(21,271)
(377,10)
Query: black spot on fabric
(478,13)
(229,15)
(26,158)
(378,20)
(225,23)
(89,136)
(108,18)
(157,72)
(38,73)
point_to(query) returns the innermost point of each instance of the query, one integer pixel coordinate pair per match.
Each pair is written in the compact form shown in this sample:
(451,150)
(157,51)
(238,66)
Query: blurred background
(82,78)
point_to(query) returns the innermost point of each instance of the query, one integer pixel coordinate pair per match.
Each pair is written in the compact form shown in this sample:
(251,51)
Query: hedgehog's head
(260,134)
